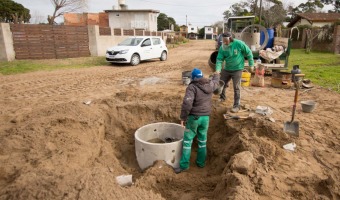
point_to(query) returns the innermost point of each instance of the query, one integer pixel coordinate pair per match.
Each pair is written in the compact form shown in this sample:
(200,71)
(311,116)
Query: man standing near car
(233,52)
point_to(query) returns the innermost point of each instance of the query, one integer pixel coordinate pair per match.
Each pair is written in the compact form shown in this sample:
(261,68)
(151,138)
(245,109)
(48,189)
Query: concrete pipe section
(159,141)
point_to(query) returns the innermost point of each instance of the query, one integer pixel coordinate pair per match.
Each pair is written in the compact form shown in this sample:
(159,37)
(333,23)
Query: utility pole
(186,20)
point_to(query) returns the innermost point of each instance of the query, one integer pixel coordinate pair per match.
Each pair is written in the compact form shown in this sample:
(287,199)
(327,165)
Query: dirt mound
(53,146)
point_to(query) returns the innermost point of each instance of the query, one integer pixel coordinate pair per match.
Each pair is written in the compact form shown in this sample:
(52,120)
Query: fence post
(303,39)
(336,37)
(93,31)
(6,43)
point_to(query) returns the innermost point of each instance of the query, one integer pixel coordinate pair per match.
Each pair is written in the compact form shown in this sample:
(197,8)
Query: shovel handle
(296,96)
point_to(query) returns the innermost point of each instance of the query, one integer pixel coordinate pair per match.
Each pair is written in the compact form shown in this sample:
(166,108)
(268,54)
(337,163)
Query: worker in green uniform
(196,108)
(233,52)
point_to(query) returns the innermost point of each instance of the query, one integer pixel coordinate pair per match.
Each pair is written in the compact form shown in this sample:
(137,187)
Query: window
(117,15)
(209,29)
(146,42)
(192,29)
(156,41)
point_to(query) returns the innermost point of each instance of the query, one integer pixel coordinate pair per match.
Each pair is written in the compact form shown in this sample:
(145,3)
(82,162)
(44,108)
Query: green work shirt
(233,56)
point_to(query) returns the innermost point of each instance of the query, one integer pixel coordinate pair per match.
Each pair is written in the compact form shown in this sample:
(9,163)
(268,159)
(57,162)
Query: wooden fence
(318,39)
(32,41)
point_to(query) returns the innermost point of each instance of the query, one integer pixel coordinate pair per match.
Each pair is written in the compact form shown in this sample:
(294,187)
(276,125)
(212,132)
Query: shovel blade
(291,128)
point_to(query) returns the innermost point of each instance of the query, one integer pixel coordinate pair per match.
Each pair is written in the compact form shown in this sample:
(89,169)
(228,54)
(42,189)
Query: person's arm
(249,54)
(219,61)
(215,80)
(187,103)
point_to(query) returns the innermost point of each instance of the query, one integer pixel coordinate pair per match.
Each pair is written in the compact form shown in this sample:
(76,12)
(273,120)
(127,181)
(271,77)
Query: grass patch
(24,66)
(321,68)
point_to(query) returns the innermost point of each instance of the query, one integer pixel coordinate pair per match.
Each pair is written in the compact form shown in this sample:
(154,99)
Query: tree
(311,6)
(274,14)
(64,6)
(164,22)
(11,11)
(226,14)
(335,3)
(240,9)
(219,25)
(272,11)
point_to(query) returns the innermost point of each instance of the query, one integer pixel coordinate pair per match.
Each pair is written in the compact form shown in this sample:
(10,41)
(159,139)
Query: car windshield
(130,42)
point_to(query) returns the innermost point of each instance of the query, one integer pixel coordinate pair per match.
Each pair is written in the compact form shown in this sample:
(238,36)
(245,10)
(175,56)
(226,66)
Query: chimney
(122,5)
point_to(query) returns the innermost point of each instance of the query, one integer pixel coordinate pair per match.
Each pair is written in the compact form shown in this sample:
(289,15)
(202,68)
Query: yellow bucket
(245,80)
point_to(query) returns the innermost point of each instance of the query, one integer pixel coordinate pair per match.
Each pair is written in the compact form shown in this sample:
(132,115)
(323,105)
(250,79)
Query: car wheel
(163,56)
(135,60)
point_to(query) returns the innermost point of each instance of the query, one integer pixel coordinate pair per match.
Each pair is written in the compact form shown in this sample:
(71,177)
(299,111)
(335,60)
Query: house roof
(315,17)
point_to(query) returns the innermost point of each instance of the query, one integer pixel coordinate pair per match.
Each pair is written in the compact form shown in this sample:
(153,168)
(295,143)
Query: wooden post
(336,36)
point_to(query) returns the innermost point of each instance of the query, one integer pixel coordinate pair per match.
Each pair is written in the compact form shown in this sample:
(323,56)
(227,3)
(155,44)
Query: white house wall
(146,21)
(192,29)
(208,30)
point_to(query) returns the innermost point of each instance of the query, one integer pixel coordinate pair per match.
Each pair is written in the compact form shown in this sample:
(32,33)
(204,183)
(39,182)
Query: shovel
(292,127)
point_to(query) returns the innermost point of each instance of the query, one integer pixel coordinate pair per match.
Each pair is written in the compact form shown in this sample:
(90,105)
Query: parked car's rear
(135,49)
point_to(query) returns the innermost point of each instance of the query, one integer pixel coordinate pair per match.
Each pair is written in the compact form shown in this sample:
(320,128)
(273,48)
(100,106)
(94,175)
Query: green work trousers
(195,125)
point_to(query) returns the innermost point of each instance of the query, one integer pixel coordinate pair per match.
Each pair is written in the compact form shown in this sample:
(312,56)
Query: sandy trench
(53,146)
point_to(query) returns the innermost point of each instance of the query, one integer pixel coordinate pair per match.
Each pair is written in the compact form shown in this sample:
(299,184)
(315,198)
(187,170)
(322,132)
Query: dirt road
(53,146)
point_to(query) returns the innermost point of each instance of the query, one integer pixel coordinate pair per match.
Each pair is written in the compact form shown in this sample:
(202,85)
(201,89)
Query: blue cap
(196,73)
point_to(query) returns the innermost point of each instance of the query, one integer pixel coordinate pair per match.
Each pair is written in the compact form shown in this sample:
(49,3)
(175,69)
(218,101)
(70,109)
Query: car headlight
(124,51)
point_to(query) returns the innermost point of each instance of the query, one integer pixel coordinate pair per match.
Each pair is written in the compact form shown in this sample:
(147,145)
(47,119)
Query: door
(146,49)
(157,47)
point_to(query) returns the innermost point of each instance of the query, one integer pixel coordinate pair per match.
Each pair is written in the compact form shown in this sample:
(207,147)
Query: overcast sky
(197,12)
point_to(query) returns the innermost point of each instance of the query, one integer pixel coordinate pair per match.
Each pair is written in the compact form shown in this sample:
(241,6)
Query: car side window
(146,42)
(156,41)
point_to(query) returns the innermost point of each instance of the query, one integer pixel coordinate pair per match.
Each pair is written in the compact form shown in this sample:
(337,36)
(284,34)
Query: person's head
(227,38)
(196,74)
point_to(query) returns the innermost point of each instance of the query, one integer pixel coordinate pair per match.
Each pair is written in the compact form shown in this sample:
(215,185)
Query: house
(192,32)
(209,33)
(314,19)
(133,19)
(119,17)
(183,31)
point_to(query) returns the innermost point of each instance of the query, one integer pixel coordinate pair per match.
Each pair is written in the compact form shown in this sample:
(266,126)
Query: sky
(195,12)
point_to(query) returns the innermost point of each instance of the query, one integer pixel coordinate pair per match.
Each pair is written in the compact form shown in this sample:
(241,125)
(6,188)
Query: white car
(135,49)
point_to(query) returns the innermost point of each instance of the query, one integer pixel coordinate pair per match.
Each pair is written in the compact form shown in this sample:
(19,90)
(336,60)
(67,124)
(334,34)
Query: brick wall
(83,19)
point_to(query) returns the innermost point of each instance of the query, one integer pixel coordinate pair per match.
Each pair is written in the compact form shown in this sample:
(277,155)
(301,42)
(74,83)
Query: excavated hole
(92,145)
(121,125)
